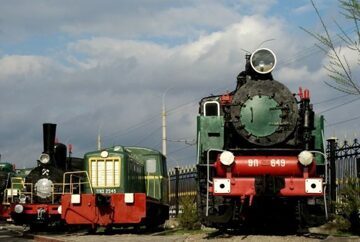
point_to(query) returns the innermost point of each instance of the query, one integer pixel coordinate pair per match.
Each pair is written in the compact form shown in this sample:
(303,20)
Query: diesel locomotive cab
(255,144)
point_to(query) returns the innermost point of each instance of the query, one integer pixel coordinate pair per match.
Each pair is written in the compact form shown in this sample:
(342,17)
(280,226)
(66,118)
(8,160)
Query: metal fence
(345,157)
(182,183)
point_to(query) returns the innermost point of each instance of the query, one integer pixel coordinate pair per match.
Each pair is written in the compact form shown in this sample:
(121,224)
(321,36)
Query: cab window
(151,165)
(211,108)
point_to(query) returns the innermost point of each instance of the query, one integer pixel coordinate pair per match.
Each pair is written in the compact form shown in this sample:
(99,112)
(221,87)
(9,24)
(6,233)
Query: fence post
(358,168)
(332,158)
(176,191)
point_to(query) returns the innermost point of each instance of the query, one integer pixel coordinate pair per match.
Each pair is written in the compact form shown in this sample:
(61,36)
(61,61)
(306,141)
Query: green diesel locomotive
(120,187)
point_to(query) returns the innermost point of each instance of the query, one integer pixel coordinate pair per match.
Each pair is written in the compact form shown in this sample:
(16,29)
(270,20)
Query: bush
(348,207)
(188,219)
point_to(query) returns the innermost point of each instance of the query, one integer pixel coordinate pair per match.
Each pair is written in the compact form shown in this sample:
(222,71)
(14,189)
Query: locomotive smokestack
(49,131)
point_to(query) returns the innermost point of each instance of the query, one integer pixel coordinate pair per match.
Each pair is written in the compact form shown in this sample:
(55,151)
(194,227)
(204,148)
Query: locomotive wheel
(38,227)
(201,199)
(92,229)
(309,216)
(155,211)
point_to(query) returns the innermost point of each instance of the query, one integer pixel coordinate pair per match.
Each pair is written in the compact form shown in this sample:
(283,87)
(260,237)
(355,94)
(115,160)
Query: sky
(105,66)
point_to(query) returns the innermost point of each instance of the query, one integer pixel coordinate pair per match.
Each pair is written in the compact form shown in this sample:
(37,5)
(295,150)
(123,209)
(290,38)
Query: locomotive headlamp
(59,209)
(227,158)
(305,158)
(18,208)
(44,158)
(263,60)
(44,188)
(104,154)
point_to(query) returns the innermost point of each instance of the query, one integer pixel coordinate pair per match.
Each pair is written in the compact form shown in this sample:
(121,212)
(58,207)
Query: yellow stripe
(154,177)
(181,194)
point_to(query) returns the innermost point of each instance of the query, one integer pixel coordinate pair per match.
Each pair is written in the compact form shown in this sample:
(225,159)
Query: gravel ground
(201,236)
(175,236)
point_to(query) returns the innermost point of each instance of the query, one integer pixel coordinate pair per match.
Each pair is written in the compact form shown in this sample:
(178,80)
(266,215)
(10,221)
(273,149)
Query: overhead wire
(331,99)
(343,121)
(148,136)
(180,149)
(339,105)
(131,128)
(305,53)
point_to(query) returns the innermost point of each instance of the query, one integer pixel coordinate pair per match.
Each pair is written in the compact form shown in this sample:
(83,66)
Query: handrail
(77,172)
(23,184)
(208,178)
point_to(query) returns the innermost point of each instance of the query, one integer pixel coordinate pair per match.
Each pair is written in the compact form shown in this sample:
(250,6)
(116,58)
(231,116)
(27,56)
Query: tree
(188,219)
(338,68)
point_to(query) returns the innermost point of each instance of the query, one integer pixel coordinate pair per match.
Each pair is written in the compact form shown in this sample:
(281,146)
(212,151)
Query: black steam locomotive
(39,193)
(258,152)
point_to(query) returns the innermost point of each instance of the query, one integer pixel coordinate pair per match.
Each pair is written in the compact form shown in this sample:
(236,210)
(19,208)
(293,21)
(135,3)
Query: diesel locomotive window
(211,108)
(105,172)
(151,166)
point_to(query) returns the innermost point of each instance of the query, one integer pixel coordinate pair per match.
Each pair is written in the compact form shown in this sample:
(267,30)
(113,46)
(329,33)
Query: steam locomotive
(35,199)
(259,153)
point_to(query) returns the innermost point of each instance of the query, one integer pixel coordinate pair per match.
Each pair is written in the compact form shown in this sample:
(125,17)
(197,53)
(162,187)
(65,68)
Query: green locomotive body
(126,186)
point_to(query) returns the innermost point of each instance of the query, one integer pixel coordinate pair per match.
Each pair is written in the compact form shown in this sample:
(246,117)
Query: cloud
(114,82)
(303,9)
(20,65)
(124,19)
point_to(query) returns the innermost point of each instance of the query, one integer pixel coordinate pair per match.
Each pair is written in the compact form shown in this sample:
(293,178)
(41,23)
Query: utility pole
(99,140)
(163,115)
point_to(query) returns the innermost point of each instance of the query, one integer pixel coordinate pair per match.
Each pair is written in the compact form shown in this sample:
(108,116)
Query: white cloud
(116,82)
(20,65)
(303,9)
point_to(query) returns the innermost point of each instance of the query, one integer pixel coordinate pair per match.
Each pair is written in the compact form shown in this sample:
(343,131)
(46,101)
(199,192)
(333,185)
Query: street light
(163,114)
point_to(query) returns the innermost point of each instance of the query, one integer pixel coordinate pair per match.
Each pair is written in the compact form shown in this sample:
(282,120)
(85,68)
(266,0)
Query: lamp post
(163,115)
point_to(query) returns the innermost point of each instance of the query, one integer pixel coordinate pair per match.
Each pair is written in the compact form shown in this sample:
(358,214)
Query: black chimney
(49,132)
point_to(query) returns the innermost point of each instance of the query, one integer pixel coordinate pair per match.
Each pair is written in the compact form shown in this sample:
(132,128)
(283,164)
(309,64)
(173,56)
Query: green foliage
(348,207)
(188,219)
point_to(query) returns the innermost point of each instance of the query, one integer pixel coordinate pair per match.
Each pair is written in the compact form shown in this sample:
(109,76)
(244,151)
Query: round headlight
(263,60)
(43,188)
(104,154)
(44,158)
(227,158)
(305,158)
(59,209)
(18,208)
